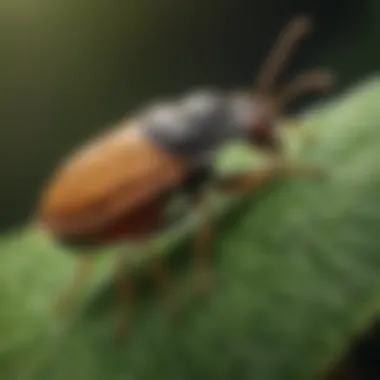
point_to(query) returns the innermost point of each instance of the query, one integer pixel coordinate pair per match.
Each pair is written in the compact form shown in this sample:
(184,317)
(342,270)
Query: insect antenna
(308,82)
(286,42)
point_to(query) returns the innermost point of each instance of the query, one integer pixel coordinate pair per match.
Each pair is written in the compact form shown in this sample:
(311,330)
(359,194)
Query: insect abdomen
(133,226)
(103,182)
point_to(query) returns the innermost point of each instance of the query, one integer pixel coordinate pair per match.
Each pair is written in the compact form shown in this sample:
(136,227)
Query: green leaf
(296,269)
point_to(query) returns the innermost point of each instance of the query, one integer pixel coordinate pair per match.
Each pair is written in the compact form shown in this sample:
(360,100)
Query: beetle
(116,188)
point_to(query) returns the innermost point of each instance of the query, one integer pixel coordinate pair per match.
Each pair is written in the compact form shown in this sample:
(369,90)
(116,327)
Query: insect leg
(194,186)
(244,183)
(83,270)
(161,275)
(203,243)
(125,294)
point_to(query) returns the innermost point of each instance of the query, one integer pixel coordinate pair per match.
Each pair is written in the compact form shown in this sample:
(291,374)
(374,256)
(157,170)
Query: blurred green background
(69,68)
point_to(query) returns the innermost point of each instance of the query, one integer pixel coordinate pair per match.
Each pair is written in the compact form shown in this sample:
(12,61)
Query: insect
(115,189)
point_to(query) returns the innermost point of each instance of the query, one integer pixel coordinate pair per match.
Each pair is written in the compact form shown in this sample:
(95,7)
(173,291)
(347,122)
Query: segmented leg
(238,185)
(83,271)
(125,295)
(194,187)
(161,276)
(203,247)
(244,183)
